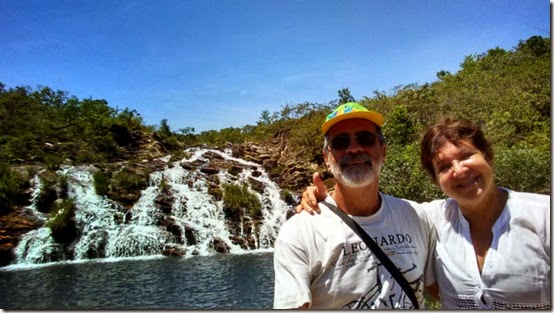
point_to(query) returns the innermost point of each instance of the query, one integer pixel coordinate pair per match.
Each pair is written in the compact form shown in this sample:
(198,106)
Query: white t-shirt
(516,270)
(319,260)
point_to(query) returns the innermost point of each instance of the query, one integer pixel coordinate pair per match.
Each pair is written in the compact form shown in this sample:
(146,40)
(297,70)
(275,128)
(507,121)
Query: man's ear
(325,156)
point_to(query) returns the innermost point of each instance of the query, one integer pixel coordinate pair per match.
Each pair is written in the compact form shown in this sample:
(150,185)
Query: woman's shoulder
(440,211)
(527,200)
(427,211)
(438,206)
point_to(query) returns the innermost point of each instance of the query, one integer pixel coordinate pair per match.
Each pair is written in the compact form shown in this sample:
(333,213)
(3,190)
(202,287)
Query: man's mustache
(355,157)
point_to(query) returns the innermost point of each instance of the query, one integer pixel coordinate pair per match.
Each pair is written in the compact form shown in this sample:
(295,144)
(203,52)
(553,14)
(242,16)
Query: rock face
(12,227)
(283,163)
(277,158)
(17,222)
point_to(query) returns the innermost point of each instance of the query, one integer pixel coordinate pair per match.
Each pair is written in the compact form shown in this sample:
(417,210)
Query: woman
(493,244)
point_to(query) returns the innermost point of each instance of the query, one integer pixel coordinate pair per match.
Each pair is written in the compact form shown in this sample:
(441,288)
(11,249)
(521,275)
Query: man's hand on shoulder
(312,195)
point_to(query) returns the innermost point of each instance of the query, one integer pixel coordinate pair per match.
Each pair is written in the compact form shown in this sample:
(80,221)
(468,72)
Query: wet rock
(241,242)
(256,185)
(188,166)
(165,202)
(97,248)
(190,235)
(235,170)
(12,227)
(219,245)
(209,170)
(172,251)
(213,156)
(173,227)
(251,242)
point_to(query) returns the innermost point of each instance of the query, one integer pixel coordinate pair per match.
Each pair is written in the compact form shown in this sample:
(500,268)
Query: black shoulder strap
(393,270)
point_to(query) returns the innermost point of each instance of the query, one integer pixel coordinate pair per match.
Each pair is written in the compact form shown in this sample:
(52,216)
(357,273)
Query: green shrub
(15,147)
(54,161)
(165,188)
(63,186)
(176,157)
(101,183)
(103,144)
(306,136)
(46,197)
(275,171)
(130,181)
(404,177)
(237,200)
(287,196)
(88,156)
(523,169)
(9,185)
(400,130)
(234,170)
(62,224)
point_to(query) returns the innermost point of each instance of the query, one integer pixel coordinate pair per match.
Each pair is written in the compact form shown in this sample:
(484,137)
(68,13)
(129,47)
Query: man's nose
(354,146)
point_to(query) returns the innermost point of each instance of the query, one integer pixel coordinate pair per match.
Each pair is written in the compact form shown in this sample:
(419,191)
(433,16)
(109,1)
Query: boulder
(219,245)
(173,251)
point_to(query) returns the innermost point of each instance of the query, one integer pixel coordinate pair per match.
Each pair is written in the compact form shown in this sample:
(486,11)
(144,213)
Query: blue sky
(211,64)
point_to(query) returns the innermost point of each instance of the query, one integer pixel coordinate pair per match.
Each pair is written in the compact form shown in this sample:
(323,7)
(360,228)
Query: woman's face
(463,173)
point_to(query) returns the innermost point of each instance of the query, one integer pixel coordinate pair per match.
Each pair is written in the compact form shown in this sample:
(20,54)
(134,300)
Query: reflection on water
(204,282)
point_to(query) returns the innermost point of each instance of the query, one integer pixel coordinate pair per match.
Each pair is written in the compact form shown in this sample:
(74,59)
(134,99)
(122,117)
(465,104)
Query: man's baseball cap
(351,110)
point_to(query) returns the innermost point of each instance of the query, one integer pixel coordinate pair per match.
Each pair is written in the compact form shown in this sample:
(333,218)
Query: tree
(345,96)
(164,130)
(186,131)
(265,118)
(399,130)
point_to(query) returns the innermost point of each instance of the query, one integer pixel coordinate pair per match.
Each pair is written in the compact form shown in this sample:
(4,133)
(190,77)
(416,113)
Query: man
(320,263)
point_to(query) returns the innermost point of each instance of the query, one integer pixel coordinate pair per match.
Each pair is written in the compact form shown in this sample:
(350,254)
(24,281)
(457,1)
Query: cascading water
(196,218)
(36,186)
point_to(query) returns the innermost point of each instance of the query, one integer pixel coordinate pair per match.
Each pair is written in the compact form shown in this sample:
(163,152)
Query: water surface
(242,281)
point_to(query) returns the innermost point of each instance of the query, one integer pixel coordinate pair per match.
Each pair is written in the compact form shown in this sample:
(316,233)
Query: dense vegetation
(238,200)
(506,92)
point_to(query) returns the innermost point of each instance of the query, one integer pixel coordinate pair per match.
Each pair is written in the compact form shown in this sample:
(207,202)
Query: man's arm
(292,271)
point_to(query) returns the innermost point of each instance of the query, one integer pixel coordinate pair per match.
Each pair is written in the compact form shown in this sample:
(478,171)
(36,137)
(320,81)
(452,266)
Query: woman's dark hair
(455,131)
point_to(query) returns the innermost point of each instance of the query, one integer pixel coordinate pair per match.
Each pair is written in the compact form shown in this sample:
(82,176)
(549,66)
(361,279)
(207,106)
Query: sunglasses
(364,138)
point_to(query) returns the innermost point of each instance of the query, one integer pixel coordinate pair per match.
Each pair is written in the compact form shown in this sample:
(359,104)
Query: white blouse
(516,269)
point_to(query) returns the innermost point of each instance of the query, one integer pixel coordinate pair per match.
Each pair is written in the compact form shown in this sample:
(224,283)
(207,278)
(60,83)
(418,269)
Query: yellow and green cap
(351,110)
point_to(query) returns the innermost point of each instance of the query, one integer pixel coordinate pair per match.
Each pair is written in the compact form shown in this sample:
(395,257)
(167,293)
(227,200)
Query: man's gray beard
(359,175)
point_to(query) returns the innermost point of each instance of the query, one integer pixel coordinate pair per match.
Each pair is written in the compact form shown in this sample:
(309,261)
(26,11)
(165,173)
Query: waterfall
(36,187)
(194,225)
(38,246)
